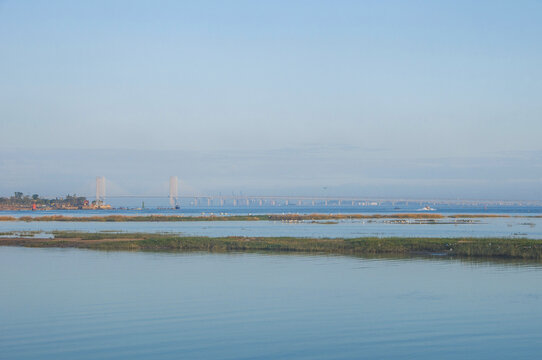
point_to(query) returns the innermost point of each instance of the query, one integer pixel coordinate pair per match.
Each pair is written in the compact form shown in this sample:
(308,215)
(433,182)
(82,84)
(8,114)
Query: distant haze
(326,171)
(425,99)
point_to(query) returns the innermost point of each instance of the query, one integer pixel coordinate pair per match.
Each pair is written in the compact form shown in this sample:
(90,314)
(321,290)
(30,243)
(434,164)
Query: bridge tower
(173,191)
(100,190)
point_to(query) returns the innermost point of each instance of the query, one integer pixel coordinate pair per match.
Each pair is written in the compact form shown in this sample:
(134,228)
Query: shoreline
(263,217)
(502,248)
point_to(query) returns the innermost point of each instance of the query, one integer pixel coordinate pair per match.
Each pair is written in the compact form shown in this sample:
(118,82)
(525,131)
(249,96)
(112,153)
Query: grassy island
(454,247)
(263,217)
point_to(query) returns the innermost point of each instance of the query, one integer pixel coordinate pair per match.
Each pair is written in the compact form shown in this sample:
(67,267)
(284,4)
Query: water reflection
(68,303)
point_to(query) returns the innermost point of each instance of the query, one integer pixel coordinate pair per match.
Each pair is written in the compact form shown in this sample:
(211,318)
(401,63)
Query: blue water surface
(513,227)
(385,208)
(81,304)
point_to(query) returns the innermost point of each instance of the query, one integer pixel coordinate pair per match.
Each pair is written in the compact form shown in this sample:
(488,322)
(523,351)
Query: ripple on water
(66,303)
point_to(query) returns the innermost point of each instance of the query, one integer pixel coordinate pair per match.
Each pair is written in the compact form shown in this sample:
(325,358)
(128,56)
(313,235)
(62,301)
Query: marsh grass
(518,248)
(270,217)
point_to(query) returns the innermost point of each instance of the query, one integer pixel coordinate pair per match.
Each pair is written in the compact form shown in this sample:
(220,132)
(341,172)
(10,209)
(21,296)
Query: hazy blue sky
(398,98)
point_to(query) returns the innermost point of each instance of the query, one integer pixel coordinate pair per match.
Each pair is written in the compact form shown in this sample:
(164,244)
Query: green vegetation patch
(168,218)
(459,247)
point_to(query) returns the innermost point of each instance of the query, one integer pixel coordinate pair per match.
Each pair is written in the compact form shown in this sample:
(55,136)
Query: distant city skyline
(416,99)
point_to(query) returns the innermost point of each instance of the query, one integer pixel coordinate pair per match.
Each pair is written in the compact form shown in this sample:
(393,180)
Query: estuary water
(522,222)
(80,304)
(513,210)
(512,227)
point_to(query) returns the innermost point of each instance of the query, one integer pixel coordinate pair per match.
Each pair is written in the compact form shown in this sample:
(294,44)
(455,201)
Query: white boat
(427,208)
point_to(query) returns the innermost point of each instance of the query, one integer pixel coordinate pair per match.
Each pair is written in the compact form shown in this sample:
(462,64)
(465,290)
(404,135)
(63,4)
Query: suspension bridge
(175,200)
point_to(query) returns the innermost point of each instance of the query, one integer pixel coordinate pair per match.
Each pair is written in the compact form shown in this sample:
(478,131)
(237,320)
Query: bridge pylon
(174,192)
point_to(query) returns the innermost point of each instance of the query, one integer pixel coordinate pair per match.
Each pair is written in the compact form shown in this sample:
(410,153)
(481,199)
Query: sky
(410,99)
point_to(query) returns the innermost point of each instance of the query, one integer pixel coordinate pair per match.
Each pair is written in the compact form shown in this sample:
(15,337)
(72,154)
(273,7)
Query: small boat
(427,208)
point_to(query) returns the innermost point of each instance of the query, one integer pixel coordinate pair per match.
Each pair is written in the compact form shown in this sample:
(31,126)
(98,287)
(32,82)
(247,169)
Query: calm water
(244,210)
(497,227)
(77,304)
(525,226)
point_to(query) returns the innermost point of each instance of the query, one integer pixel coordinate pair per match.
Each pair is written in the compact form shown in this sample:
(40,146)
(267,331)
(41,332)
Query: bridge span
(176,200)
(304,200)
